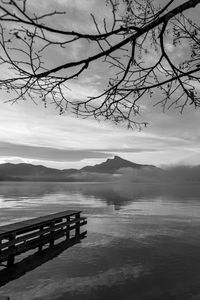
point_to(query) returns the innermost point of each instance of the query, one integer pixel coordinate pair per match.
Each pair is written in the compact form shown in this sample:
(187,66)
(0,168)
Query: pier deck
(20,237)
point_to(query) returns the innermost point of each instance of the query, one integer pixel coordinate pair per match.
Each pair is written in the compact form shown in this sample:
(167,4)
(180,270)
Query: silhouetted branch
(138,42)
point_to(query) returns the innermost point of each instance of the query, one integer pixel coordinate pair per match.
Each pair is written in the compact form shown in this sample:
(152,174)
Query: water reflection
(117,194)
(143,241)
(37,259)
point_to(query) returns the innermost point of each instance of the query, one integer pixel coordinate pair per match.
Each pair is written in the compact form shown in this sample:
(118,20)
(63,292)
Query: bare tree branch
(133,44)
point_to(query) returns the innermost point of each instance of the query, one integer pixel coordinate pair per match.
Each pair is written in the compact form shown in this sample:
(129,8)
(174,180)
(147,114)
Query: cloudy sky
(33,134)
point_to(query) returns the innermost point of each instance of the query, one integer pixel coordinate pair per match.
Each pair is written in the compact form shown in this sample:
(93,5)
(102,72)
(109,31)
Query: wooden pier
(20,237)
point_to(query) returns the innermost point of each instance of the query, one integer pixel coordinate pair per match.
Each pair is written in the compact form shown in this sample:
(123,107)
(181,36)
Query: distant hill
(113,165)
(25,172)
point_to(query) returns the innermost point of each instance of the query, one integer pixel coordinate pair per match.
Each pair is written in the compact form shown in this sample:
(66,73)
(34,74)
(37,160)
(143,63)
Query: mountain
(27,171)
(24,171)
(113,165)
(106,171)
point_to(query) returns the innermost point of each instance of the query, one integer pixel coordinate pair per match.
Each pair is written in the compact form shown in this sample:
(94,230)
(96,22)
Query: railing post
(52,233)
(77,231)
(40,237)
(11,257)
(68,229)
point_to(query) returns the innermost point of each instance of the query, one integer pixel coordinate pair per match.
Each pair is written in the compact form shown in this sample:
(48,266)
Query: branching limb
(138,45)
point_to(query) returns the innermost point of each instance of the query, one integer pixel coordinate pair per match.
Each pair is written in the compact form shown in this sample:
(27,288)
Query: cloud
(183,173)
(91,177)
(170,139)
(170,175)
(47,153)
(58,286)
(127,150)
(146,174)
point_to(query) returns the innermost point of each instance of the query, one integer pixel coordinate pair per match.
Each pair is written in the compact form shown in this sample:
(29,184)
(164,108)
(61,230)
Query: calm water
(143,241)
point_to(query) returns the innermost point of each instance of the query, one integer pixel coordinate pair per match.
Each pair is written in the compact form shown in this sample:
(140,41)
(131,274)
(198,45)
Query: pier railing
(20,237)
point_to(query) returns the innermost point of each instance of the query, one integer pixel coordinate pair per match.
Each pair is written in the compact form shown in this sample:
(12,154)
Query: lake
(143,241)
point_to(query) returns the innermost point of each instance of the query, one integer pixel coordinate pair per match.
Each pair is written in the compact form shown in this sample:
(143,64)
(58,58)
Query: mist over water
(143,240)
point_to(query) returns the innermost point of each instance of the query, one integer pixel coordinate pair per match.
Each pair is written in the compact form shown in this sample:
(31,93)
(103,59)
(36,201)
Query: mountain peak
(112,165)
(117,157)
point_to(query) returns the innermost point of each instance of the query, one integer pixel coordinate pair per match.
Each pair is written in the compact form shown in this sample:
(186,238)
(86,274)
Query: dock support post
(77,231)
(68,229)
(11,257)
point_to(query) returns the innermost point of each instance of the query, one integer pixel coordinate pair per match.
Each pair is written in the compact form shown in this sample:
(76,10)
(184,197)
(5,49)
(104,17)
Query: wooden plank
(26,225)
(40,219)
